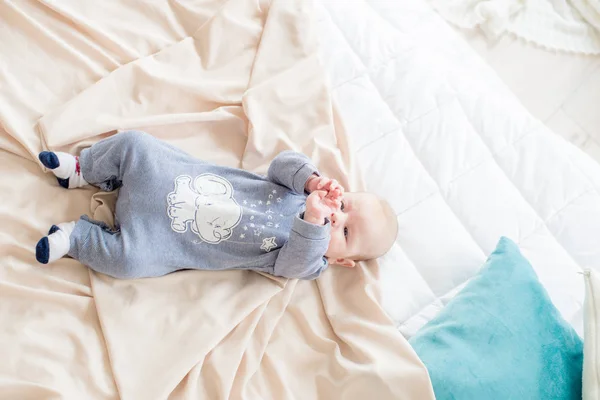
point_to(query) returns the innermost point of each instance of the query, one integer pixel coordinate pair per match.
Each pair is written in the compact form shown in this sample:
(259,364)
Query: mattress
(462,162)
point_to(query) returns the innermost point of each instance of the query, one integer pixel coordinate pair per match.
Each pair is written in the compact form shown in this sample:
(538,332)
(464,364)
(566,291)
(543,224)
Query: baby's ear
(344,262)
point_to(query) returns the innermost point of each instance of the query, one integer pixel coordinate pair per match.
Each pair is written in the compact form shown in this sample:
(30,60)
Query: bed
(381,94)
(437,132)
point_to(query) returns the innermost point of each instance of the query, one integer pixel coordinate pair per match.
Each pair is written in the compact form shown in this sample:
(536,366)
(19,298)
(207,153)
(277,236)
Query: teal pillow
(502,338)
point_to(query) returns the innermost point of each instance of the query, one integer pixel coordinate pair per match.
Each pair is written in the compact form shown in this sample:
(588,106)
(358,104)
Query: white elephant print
(207,204)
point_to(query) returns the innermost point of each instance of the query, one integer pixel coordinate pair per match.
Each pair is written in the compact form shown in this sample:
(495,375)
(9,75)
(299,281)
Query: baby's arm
(302,257)
(292,170)
(296,172)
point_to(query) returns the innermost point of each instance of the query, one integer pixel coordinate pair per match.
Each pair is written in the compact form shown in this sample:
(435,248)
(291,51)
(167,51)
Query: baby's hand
(334,190)
(319,207)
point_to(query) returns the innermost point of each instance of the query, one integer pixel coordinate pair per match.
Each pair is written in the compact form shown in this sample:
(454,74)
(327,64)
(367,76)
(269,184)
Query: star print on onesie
(265,219)
(268,244)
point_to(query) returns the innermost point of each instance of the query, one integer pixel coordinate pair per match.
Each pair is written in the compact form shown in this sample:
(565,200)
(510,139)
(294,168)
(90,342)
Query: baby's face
(355,227)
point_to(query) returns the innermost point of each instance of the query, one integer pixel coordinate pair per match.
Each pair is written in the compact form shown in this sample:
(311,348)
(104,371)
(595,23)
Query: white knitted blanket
(564,25)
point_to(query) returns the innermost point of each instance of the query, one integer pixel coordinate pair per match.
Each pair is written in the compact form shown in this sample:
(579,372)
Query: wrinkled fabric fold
(232,82)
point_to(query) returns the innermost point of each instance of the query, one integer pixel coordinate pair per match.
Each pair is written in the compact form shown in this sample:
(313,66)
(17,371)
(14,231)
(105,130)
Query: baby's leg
(93,245)
(104,251)
(106,163)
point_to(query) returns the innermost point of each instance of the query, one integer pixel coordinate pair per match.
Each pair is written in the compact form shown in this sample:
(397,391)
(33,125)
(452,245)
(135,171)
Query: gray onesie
(177,212)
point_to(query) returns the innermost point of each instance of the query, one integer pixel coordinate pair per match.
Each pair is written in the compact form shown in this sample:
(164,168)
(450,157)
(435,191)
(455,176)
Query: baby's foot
(65,167)
(56,245)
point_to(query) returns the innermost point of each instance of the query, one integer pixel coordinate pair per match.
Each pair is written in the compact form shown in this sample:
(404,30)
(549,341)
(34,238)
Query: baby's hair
(389,232)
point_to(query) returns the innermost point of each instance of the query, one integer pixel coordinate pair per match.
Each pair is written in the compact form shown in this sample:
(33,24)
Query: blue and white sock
(56,245)
(65,167)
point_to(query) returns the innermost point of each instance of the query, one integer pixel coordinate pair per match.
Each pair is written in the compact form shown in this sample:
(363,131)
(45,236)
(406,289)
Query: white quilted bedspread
(463,163)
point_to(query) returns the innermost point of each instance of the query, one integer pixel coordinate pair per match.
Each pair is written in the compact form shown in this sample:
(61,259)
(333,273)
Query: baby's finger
(331,195)
(322,183)
(332,203)
(334,193)
(338,187)
(315,197)
(334,187)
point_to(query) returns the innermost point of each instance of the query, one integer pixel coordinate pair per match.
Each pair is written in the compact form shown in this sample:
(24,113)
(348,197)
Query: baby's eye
(346,232)
(342,206)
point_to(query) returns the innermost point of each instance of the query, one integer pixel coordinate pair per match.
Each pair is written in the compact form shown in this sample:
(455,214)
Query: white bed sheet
(462,162)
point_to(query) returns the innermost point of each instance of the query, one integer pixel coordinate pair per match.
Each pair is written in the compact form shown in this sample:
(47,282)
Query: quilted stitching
(468,162)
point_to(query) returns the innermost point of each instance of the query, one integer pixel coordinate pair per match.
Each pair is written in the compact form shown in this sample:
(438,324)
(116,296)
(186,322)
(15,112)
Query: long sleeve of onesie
(292,170)
(302,256)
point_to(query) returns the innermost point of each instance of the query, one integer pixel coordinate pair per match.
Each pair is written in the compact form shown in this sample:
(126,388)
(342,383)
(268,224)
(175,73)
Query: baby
(177,212)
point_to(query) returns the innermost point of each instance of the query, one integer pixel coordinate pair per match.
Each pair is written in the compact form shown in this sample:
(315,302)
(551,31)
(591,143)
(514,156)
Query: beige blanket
(234,82)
